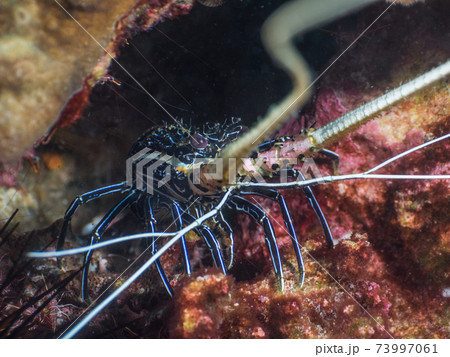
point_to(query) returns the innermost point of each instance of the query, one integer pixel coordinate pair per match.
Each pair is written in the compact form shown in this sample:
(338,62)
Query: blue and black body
(161,155)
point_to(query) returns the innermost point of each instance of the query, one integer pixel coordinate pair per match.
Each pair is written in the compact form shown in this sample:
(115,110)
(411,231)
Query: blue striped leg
(177,217)
(243,205)
(85,198)
(100,230)
(315,205)
(334,157)
(277,197)
(294,173)
(150,223)
(211,241)
(225,227)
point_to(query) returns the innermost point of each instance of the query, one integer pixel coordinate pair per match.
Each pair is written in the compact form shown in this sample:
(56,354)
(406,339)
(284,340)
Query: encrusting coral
(389,269)
(45,57)
(405,2)
(48,67)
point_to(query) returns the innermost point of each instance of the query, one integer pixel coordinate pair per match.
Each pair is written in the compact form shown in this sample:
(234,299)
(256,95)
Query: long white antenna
(331,132)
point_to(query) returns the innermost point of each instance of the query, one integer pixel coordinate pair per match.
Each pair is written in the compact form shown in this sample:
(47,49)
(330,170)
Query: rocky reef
(49,64)
(388,273)
(48,56)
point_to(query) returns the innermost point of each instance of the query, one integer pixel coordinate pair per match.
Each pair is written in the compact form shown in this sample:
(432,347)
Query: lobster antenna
(78,327)
(294,184)
(80,250)
(349,122)
(291,19)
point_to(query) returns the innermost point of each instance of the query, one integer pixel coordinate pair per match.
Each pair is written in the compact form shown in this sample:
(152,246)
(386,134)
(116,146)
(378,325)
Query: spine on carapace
(354,119)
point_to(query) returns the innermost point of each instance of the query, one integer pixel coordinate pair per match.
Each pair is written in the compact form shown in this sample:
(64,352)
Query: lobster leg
(241,204)
(98,233)
(211,241)
(315,205)
(85,198)
(177,217)
(277,197)
(334,157)
(150,222)
(223,224)
(294,173)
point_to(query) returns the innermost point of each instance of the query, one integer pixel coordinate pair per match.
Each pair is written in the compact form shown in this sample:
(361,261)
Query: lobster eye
(198,141)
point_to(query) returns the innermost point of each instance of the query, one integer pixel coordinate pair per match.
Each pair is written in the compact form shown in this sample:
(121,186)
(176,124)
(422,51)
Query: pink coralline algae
(384,278)
(49,65)
(406,2)
(388,272)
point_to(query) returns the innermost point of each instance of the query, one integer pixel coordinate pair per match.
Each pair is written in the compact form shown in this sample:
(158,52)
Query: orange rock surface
(46,56)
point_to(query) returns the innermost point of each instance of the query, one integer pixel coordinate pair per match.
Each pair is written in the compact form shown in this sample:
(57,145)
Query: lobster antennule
(349,122)
(288,21)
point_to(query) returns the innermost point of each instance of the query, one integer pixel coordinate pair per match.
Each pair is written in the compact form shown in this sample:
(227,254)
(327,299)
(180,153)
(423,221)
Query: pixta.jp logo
(141,166)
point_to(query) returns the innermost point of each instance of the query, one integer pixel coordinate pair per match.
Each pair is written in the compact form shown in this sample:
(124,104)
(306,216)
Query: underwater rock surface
(45,57)
(389,269)
(48,66)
